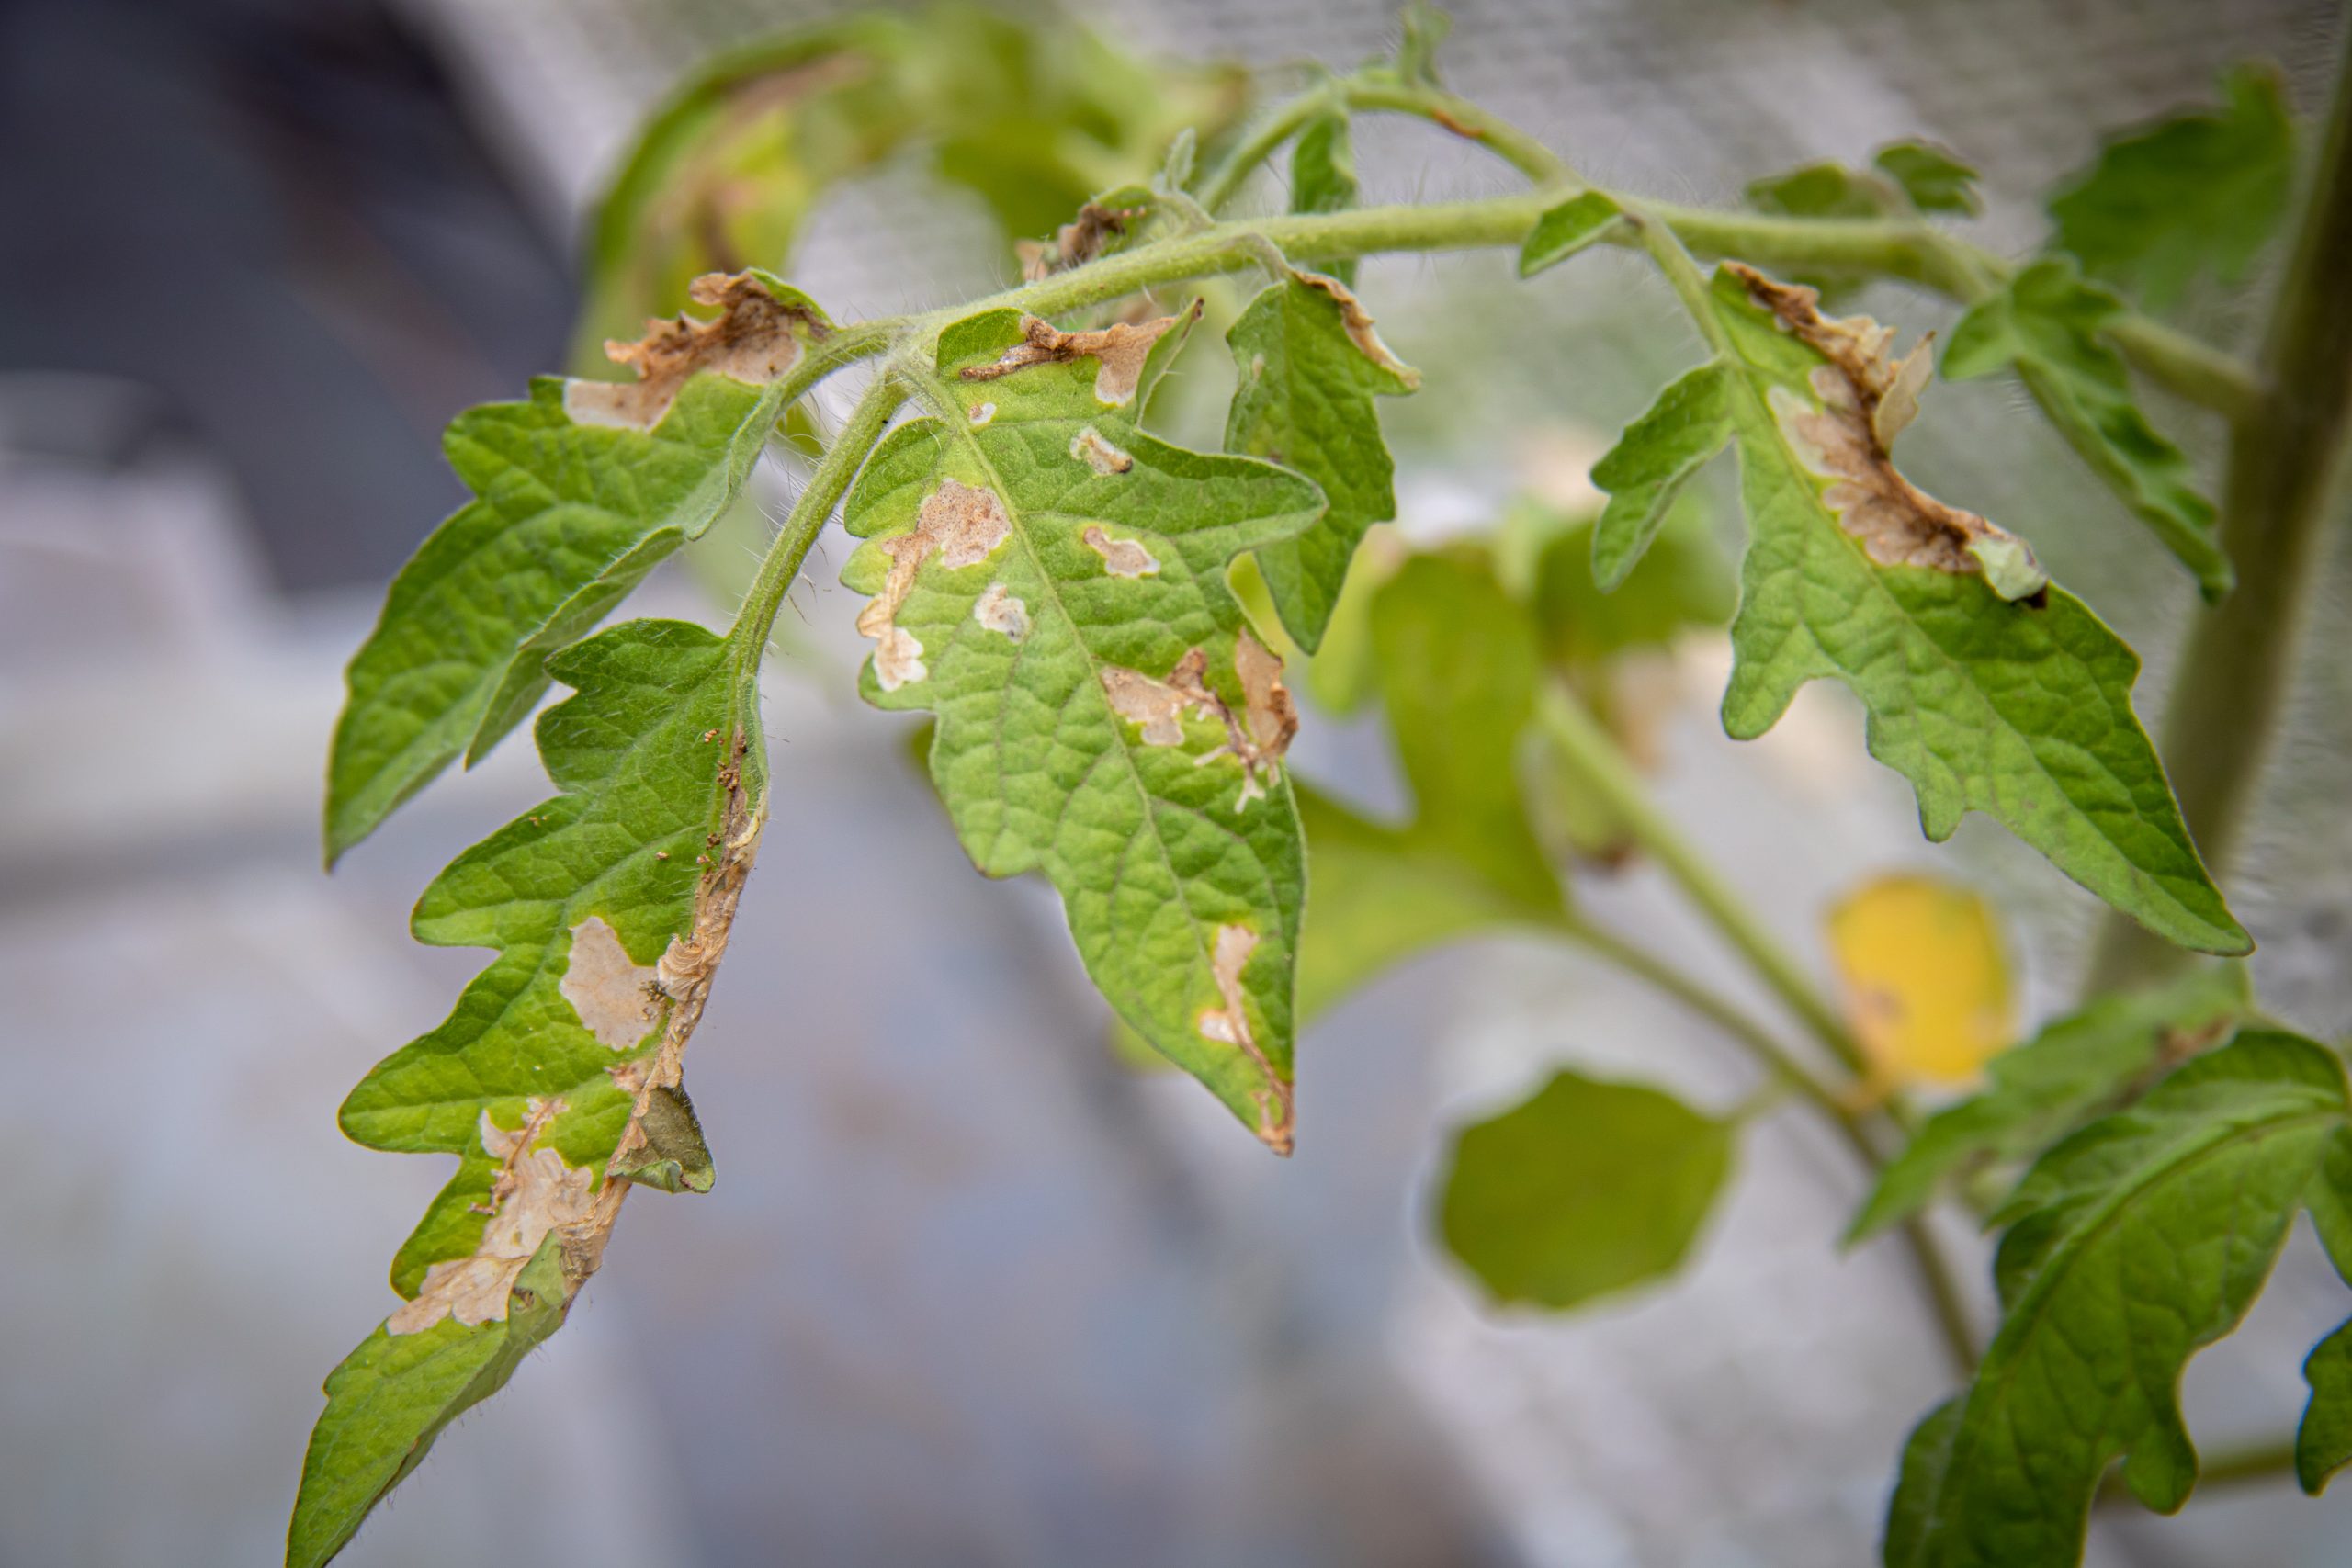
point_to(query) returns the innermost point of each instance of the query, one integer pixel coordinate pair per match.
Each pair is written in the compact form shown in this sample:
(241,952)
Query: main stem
(2238,664)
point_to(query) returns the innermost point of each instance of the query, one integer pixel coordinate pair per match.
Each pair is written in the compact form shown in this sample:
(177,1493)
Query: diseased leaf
(1309,364)
(2073,1070)
(578,493)
(2139,1240)
(1690,421)
(2201,192)
(555,1078)
(1323,177)
(1586,1188)
(1563,231)
(1933,179)
(1926,983)
(1988,692)
(1049,581)
(2049,325)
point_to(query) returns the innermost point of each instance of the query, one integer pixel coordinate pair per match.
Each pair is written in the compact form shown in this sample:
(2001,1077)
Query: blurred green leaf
(2049,324)
(1824,190)
(1933,179)
(2076,1067)
(2201,192)
(2137,1241)
(1585,1188)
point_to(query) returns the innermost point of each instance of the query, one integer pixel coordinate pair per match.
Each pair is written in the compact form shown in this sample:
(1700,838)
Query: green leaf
(1932,179)
(2201,192)
(1425,26)
(1683,583)
(2324,1440)
(2018,707)
(391,1397)
(1587,1188)
(574,503)
(1049,581)
(1824,190)
(1563,231)
(555,1078)
(1310,365)
(2050,325)
(1323,176)
(2139,1240)
(2074,1068)
(1690,421)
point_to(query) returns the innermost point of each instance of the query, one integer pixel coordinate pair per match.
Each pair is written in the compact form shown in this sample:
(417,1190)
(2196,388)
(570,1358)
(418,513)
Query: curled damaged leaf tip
(1228,1024)
(1119,349)
(1866,398)
(1361,327)
(755,338)
(965,525)
(1076,242)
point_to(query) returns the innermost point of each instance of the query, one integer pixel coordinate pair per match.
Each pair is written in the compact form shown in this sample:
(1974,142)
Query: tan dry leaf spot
(1074,243)
(618,1000)
(1360,328)
(1120,558)
(999,611)
(1867,399)
(1120,350)
(533,1193)
(982,414)
(1229,1025)
(755,338)
(965,525)
(1257,738)
(1089,447)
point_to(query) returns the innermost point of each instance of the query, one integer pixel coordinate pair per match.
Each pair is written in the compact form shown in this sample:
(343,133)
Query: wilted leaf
(1926,983)
(2137,1241)
(2202,191)
(1585,1188)
(578,493)
(1050,581)
(1987,693)
(2049,324)
(2073,1068)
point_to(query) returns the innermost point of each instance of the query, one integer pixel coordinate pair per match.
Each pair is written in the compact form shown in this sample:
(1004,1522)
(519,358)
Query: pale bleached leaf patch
(534,1193)
(1228,1024)
(965,525)
(998,610)
(755,339)
(618,1000)
(1120,558)
(1119,350)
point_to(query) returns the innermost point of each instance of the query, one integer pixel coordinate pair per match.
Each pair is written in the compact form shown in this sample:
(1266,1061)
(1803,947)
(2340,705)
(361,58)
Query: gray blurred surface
(966,1291)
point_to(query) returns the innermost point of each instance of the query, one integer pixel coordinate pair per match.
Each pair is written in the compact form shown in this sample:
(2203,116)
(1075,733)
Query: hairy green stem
(2239,662)
(1465,120)
(826,483)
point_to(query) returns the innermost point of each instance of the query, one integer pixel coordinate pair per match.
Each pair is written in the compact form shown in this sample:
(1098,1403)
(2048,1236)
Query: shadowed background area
(968,1290)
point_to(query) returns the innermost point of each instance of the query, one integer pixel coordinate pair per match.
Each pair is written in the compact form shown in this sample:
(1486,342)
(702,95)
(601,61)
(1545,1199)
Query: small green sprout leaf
(1987,698)
(2049,324)
(1576,224)
(1933,179)
(2202,192)
(2137,1241)
(2083,1063)
(1308,366)
(579,493)
(1586,1188)
(1690,421)
(1049,581)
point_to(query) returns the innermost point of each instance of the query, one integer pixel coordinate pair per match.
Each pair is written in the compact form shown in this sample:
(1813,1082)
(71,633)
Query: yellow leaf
(1926,983)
